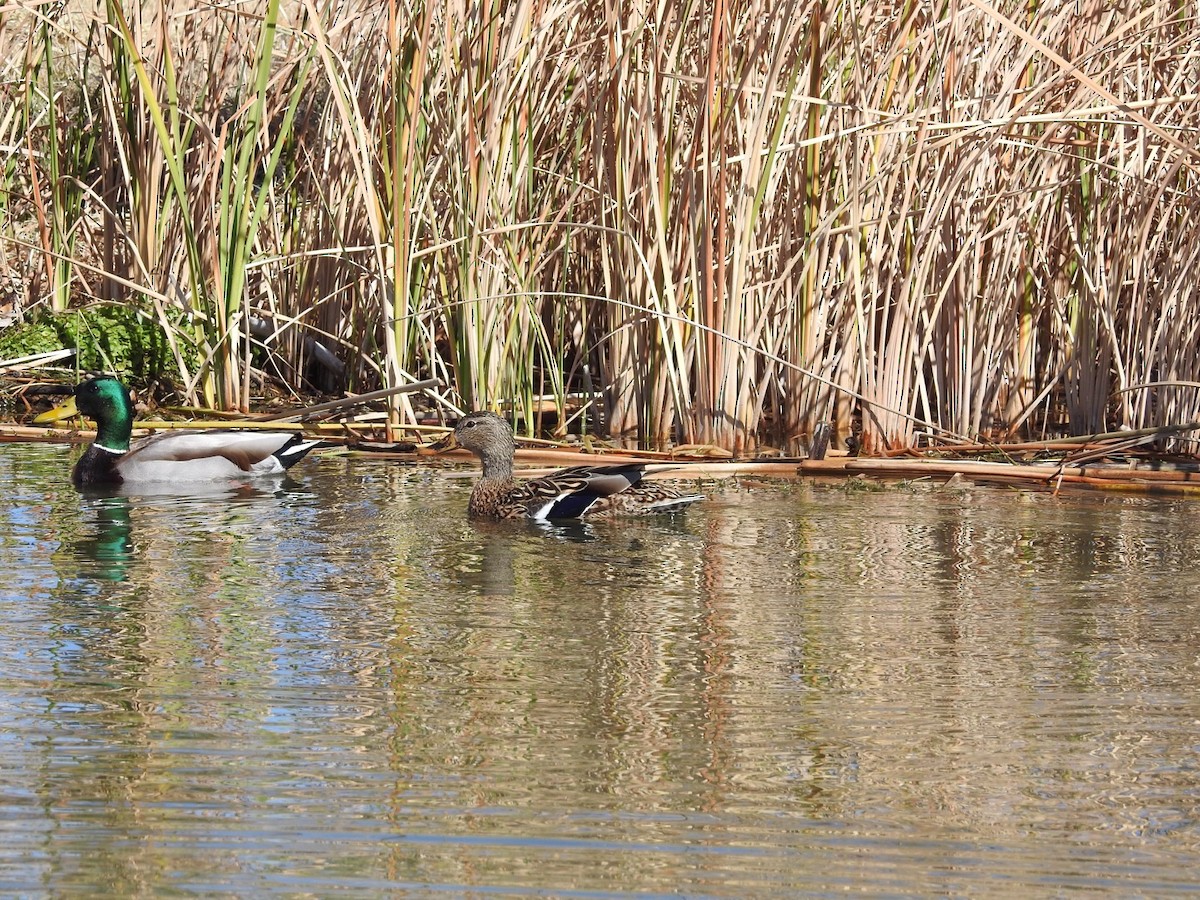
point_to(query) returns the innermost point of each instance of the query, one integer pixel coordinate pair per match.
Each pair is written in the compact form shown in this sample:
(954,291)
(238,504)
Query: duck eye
(470,424)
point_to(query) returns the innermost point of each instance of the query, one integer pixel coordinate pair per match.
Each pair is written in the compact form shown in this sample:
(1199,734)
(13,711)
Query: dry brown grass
(721,222)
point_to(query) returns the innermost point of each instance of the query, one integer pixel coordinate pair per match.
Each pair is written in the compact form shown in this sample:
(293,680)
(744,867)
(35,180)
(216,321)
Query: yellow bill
(65,411)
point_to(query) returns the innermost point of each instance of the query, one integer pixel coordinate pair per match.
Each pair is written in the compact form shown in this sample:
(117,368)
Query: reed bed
(722,222)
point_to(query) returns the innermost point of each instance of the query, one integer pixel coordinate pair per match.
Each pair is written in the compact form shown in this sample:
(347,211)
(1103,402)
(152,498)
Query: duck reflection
(633,528)
(507,551)
(107,549)
(492,571)
(575,531)
(251,489)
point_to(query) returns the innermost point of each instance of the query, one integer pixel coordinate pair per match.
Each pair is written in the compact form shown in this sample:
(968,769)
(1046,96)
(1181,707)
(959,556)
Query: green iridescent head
(105,400)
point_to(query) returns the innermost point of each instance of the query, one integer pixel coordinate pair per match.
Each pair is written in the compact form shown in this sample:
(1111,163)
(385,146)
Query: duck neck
(113,434)
(497,465)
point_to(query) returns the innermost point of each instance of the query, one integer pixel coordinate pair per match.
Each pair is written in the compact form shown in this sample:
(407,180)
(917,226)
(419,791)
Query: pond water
(337,685)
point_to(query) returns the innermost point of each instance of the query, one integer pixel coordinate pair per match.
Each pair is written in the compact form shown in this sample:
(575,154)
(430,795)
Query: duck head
(105,400)
(490,438)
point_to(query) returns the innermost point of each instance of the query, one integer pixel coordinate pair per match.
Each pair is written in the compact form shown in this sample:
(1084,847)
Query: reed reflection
(524,703)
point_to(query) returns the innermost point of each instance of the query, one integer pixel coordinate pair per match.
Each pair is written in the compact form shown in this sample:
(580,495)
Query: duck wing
(211,455)
(644,499)
(573,492)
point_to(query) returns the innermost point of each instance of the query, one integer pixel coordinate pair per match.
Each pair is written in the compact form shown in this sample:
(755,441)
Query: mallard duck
(173,456)
(591,491)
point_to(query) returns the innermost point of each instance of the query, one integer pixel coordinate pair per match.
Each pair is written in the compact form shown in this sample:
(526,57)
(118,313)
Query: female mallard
(172,456)
(591,491)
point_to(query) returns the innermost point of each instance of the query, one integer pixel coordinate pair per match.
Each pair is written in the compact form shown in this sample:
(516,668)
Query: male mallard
(174,456)
(591,491)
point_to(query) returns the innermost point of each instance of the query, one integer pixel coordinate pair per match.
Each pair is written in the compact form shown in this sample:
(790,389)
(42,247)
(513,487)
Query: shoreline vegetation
(720,225)
(1105,468)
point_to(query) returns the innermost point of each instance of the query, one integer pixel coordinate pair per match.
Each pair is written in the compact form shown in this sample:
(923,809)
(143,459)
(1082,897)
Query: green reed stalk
(62,158)
(174,137)
(137,246)
(251,154)
(501,209)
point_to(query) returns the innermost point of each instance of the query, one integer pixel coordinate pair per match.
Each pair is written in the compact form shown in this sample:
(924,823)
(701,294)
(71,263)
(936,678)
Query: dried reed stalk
(726,221)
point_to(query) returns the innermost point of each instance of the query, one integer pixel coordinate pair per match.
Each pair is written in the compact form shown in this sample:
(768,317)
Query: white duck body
(210,455)
(174,456)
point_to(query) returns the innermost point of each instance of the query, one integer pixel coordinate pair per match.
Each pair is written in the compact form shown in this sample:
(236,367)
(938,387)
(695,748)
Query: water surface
(335,684)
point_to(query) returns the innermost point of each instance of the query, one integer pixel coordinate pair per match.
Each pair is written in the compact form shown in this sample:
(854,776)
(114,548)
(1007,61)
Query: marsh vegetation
(721,222)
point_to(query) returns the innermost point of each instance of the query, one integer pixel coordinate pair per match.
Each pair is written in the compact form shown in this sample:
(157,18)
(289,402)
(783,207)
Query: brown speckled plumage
(580,491)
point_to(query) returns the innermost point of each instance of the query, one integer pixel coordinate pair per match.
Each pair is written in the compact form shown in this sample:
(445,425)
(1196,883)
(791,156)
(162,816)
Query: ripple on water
(335,683)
